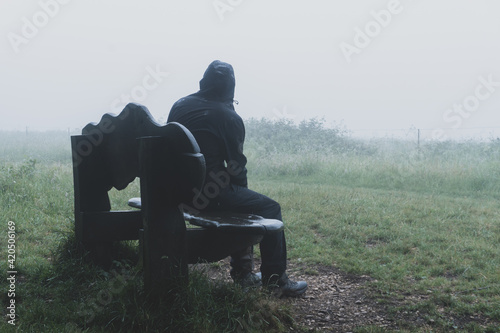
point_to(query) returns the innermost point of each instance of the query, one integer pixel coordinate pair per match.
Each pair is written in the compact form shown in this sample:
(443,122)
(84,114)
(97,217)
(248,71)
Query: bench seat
(227,221)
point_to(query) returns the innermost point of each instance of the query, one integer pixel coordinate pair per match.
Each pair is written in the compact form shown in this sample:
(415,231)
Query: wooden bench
(168,162)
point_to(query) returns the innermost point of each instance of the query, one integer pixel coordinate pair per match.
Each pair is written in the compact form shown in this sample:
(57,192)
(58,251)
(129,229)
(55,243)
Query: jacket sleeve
(235,159)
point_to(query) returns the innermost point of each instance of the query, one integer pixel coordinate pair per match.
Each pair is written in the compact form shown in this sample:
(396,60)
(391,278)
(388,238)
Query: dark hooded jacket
(209,114)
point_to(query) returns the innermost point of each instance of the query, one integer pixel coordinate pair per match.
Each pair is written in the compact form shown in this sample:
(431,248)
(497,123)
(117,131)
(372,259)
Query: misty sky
(371,64)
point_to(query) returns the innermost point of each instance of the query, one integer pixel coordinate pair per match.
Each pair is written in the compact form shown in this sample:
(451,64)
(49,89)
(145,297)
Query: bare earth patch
(341,302)
(334,302)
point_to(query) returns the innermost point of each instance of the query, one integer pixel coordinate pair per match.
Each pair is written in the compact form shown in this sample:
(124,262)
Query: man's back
(209,114)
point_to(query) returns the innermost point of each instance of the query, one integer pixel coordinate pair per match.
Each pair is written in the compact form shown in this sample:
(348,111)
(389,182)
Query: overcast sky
(371,64)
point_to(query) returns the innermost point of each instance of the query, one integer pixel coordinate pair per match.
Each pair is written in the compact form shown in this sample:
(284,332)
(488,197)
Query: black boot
(283,286)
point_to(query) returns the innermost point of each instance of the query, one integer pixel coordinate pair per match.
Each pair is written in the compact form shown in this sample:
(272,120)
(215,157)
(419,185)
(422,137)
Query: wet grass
(422,221)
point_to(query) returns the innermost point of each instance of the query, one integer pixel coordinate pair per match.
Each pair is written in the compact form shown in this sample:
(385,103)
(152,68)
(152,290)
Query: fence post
(418,138)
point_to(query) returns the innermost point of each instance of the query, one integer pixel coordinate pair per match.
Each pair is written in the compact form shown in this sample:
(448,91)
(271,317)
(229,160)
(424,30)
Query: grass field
(423,221)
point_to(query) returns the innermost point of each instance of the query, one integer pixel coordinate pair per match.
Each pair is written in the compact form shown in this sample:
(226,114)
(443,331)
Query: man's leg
(241,263)
(272,247)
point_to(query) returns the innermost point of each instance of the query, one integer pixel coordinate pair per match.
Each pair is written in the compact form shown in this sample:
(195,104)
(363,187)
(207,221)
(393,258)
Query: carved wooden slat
(165,250)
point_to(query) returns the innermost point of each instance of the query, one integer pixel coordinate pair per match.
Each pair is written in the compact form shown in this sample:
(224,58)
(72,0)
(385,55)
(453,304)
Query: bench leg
(140,262)
(99,253)
(165,259)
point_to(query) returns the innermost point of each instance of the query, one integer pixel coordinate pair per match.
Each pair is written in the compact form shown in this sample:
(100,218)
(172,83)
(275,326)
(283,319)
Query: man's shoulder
(186,99)
(222,113)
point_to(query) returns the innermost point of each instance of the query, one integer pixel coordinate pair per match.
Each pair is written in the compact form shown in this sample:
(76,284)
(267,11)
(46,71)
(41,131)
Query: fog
(370,65)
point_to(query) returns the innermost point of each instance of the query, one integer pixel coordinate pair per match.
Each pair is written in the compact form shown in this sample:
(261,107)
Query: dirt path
(334,302)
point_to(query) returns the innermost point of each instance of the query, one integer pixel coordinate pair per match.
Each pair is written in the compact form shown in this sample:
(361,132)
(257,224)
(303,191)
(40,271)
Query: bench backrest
(107,155)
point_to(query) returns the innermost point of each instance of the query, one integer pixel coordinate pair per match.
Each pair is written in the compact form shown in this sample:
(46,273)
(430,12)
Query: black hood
(218,82)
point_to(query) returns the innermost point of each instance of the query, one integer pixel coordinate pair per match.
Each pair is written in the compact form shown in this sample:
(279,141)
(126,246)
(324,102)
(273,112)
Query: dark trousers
(240,199)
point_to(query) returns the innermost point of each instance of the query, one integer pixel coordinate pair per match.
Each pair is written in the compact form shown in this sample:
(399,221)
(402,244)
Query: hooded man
(210,116)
